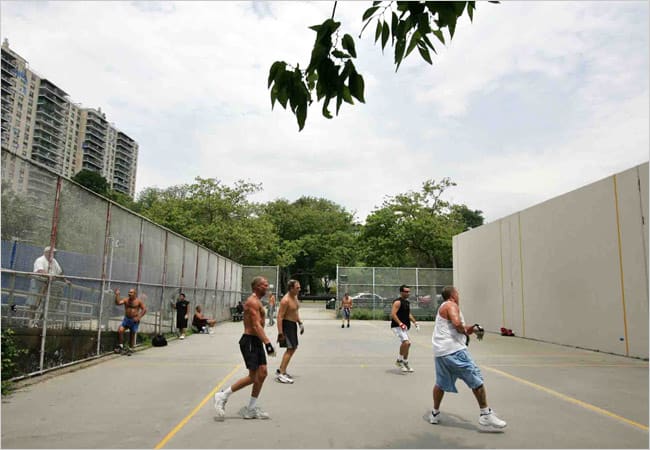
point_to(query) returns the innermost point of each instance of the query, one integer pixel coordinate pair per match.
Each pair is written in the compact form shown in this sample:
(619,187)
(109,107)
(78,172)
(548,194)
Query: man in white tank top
(453,361)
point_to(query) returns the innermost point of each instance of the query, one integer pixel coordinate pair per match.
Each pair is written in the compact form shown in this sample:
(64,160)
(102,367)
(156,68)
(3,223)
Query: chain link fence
(375,288)
(69,316)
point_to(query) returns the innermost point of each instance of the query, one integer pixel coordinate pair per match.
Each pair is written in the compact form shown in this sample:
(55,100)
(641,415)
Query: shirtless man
(288,322)
(134,310)
(346,309)
(252,345)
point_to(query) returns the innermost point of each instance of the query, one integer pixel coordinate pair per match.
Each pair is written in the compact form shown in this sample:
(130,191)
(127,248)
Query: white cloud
(187,80)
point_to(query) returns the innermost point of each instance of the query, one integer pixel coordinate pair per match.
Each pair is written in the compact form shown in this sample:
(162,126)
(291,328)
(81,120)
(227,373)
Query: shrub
(10,352)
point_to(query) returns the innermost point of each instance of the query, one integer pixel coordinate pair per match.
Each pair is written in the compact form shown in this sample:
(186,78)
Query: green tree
(317,234)
(331,74)
(19,220)
(217,216)
(415,228)
(92,180)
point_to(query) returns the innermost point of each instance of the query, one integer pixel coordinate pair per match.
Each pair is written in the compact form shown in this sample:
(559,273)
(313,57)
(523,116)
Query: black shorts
(252,350)
(290,331)
(181,321)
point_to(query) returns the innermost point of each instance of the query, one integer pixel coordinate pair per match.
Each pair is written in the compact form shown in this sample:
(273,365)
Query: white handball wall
(572,270)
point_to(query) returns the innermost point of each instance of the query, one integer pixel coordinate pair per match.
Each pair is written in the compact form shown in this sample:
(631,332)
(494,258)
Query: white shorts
(401,334)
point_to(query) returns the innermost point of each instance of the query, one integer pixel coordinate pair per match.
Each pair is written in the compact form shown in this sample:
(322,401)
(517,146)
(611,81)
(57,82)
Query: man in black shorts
(252,345)
(288,323)
(182,314)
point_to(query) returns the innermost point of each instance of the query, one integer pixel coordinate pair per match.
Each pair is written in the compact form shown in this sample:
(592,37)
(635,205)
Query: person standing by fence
(271,307)
(346,310)
(134,310)
(182,307)
(45,264)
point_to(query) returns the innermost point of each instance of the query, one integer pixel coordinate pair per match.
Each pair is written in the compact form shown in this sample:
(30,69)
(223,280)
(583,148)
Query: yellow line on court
(182,423)
(569,399)
(562,396)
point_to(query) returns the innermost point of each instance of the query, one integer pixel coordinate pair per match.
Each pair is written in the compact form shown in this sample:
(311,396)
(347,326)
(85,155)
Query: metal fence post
(53,234)
(373,292)
(103,289)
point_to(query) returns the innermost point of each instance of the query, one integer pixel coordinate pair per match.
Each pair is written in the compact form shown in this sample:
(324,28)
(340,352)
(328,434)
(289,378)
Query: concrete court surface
(347,394)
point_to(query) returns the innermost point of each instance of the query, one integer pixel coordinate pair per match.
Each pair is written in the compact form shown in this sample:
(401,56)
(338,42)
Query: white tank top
(446,339)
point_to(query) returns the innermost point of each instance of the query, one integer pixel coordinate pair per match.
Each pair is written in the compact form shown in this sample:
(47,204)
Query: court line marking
(568,399)
(561,396)
(187,418)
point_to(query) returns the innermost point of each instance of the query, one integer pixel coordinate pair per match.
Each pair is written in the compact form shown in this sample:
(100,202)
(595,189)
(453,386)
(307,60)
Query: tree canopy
(308,237)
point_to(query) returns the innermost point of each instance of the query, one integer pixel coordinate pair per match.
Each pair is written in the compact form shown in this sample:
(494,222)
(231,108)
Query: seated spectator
(201,322)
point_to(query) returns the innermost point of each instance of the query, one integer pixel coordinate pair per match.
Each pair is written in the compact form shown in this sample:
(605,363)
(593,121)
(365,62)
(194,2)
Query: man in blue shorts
(134,310)
(453,361)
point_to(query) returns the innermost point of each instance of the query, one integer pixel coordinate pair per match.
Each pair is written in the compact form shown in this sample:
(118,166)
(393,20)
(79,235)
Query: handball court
(347,394)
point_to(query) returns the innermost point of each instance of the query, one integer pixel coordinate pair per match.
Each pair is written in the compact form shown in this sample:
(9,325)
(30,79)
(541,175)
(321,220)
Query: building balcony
(96,133)
(91,165)
(47,132)
(53,115)
(47,85)
(98,120)
(92,146)
(48,90)
(48,123)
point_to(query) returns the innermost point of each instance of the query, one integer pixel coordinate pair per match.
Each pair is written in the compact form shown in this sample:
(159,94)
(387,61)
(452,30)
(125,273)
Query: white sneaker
(255,413)
(407,367)
(434,418)
(399,363)
(491,423)
(220,401)
(182,337)
(283,378)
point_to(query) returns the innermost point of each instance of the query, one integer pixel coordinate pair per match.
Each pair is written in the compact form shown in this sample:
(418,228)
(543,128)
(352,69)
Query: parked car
(427,301)
(367,300)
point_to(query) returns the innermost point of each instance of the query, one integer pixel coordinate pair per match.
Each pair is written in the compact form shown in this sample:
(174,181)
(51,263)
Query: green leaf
(427,42)
(357,87)
(339,54)
(347,97)
(326,111)
(378,30)
(348,45)
(301,115)
(459,7)
(384,35)
(424,52)
(439,35)
(369,12)
(470,10)
(415,38)
(278,65)
(394,24)
(399,52)
(376,3)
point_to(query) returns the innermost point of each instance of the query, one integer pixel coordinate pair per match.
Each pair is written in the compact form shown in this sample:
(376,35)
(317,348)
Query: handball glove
(302,328)
(478,331)
(417,327)
(269,349)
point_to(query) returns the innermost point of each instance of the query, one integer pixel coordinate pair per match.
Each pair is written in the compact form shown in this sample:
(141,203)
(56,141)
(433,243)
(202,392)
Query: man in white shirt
(453,361)
(44,264)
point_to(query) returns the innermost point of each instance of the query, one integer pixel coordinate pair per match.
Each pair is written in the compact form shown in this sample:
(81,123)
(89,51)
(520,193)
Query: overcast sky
(531,100)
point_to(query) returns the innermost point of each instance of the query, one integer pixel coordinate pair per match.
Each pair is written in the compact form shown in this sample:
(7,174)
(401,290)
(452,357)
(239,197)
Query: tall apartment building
(40,122)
